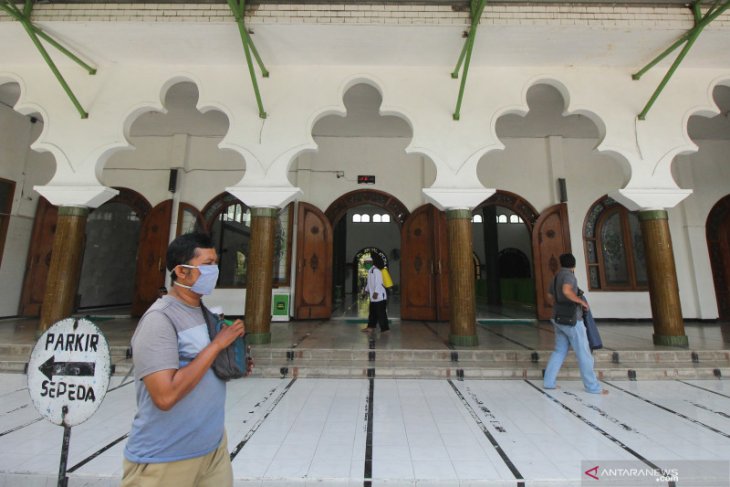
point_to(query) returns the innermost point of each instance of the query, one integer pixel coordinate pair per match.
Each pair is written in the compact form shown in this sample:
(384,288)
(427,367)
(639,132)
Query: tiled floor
(394,432)
(421,432)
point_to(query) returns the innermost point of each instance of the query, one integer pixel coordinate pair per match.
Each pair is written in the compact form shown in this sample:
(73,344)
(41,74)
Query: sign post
(68,376)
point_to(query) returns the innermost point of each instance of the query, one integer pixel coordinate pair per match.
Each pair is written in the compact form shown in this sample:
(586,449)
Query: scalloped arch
(341,111)
(592,115)
(708,109)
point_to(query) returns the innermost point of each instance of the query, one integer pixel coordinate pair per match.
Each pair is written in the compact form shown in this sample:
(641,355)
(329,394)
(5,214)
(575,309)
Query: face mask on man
(206,281)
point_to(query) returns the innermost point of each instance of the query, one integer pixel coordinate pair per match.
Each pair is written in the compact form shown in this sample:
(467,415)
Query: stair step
(487,356)
(618,373)
(269,362)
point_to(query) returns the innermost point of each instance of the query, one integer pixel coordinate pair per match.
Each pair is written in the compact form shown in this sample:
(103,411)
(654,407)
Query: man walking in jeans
(566,336)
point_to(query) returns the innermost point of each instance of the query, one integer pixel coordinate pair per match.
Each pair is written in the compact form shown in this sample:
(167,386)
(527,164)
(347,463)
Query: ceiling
(219,43)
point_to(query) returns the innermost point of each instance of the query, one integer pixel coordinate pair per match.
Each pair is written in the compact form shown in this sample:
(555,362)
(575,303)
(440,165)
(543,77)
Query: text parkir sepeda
(74,392)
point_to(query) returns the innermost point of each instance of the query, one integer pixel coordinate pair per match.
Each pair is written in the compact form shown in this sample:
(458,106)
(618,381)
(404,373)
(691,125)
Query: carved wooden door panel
(39,258)
(154,237)
(313,294)
(550,238)
(424,266)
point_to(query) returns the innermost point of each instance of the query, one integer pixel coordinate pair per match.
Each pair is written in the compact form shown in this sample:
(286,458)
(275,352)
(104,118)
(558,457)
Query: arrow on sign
(80,369)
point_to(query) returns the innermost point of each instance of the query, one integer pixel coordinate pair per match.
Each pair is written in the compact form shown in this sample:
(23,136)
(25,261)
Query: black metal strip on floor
(258,424)
(506,338)
(11,430)
(518,476)
(691,420)
(433,330)
(705,408)
(13,392)
(40,418)
(605,433)
(96,453)
(703,388)
(120,386)
(368,470)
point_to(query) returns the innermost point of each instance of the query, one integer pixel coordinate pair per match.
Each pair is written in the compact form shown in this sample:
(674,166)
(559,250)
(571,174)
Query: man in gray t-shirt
(177,436)
(564,290)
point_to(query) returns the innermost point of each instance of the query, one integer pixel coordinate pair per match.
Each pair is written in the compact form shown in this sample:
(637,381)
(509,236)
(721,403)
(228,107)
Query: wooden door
(723,292)
(153,240)
(550,238)
(39,258)
(441,267)
(424,266)
(717,231)
(313,294)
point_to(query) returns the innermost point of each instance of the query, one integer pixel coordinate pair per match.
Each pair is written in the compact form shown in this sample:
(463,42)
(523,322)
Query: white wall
(708,172)
(395,172)
(18,163)
(205,169)
(510,235)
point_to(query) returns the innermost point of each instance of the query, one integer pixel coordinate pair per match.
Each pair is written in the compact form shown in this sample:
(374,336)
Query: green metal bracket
(238,10)
(477,7)
(689,38)
(34,32)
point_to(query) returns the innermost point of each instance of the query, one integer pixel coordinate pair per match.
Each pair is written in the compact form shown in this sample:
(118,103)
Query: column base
(463,340)
(258,338)
(671,340)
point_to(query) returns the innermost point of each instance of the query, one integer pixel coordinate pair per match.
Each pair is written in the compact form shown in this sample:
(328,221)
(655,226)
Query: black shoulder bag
(231,361)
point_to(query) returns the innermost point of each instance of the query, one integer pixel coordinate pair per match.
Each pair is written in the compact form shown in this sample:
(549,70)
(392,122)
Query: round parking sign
(69,371)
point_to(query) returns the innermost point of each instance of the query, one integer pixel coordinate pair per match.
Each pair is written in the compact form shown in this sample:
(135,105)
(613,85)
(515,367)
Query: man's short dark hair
(182,249)
(567,261)
(377,260)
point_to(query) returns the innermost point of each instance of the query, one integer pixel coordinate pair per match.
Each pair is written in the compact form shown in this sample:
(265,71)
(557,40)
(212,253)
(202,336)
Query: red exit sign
(366,179)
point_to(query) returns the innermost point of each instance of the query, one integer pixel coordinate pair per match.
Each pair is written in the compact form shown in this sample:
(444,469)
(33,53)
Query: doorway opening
(502,243)
(108,272)
(364,222)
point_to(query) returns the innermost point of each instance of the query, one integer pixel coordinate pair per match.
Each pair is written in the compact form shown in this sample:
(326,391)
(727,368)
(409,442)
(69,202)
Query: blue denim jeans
(566,337)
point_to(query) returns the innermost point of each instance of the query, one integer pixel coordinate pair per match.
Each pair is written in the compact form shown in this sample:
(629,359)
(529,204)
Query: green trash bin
(280,307)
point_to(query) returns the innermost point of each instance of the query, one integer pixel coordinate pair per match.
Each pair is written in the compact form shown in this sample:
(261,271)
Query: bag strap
(208,321)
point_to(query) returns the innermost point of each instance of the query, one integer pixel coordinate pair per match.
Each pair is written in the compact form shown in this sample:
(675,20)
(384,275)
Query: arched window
(366,218)
(377,218)
(501,218)
(356,218)
(477,219)
(515,219)
(386,218)
(614,248)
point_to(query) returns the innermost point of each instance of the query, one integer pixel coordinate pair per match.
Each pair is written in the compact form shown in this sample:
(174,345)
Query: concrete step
(487,364)
(484,357)
(508,364)
(628,372)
